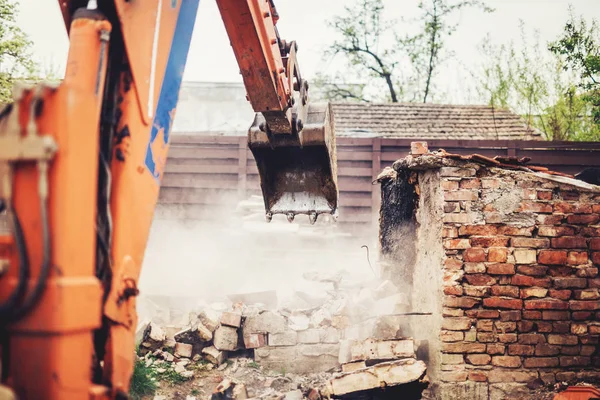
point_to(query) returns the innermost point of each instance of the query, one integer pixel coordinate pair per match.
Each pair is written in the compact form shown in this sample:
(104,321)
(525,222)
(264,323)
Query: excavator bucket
(298,171)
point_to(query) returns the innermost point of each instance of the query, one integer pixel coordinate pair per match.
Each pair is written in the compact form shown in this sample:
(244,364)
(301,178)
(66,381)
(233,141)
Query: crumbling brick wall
(520,293)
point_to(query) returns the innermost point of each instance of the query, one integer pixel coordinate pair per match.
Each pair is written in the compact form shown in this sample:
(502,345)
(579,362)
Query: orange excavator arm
(80,170)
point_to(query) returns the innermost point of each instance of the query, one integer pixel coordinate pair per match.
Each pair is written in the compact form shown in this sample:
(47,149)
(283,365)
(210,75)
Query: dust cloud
(231,250)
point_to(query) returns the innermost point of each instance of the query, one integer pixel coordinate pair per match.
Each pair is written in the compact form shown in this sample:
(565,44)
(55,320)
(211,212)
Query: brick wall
(520,301)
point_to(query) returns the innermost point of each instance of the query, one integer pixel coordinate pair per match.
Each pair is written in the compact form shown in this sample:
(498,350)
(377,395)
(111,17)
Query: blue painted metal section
(169,92)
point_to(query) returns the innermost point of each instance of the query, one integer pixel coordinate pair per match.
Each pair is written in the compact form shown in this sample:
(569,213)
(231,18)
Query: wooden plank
(375,170)
(354,156)
(201,169)
(242,167)
(182,138)
(169,195)
(191,152)
(186,181)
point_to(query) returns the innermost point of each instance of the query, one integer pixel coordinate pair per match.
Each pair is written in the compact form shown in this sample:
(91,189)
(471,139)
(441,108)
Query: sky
(211,58)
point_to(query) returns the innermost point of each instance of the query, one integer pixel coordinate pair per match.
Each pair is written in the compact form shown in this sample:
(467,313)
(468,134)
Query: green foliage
(142,382)
(15,58)
(254,365)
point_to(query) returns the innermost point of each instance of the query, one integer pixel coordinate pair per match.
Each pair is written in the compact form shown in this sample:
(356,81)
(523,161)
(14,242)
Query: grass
(142,382)
(195,392)
(254,365)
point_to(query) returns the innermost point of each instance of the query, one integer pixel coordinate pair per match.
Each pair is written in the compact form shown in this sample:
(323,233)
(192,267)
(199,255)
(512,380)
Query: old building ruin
(505,259)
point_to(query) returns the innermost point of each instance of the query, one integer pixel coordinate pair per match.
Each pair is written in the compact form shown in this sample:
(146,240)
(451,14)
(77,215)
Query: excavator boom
(81,163)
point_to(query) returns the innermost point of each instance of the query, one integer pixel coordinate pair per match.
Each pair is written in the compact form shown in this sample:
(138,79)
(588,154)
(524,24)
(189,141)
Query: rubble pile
(340,339)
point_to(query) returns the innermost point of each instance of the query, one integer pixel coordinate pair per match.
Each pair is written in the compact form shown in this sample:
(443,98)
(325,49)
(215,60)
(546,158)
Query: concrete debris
(183,350)
(287,338)
(354,366)
(240,392)
(298,322)
(265,322)
(231,319)
(214,355)
(295,395)
(372,349)
(226,338)
(210,319)
(267,299)
(254,340)
(391,373)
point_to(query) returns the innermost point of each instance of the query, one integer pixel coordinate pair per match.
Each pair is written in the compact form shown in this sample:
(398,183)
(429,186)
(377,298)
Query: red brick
(569,350)
(483,313)
(495,348)
(583,219)
(569,195)
(498,254)
(506,361)
(525,256)
(555,315)
(583,305)
(561,327)
(477,291)
(507,337)
(594,283)
(541,362)
(546,219)
(577,258)
(596,208)
(520,350)
(460,302)
(560,294)
(544,349)
(449,232)
(510,316)
(454,376)
(503,302)
(480,279)
(463,347)
(449,185)
(552,257)
(505,326)
(453,264)
(510,291)
(473,183)
(543,327)
(531,338)
(581,315)
(461,195)
(456,324)
(595,244)
(500,269)
(561,271)
(474,268)
(452,336)
(569,340)
(486,337)
(596,258)
(555,231)
(535,207)
(569,283)
(479,359)
(530,314)
(474,254)
(544,195)
(587,272)
(480,230)
(524,280)
(530,242)
(570,208)
(588,350)
(453,290)
(457,244)
(532,270)
(525,326)
(576,361)
(593,231)
(579,329)
(515,231)
(485,325)
(478,376)
(490,183)
(569,242)
(545,304)
(595,329)
(587,294)
(489,241)
(529,292)
(451,207)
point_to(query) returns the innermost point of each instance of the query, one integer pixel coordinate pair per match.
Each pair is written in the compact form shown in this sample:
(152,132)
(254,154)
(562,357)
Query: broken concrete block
(265,322)
(267,298)
(214,355)
(294,395)
(353,366)
(254,340)
(203,332)
(309,336)
(321,317)
(329,335)
(179,368)
(391,373)
(171,331)
(372,349)
(209,318)
(183,350)
(298,322)
(287,338)
(240,392)
(231,319)
(168,357)
(345,354)
(153,336)
(300,359)
(226,338)
(385,289)
(187,374)
(170,343)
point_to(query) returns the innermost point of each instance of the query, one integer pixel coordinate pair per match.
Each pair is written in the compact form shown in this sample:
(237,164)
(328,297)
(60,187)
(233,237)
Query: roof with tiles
(430,121)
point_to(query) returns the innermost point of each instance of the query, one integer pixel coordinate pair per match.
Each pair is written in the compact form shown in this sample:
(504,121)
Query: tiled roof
(430,121)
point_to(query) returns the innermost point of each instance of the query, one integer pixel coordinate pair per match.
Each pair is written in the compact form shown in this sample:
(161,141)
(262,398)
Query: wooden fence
(204,173)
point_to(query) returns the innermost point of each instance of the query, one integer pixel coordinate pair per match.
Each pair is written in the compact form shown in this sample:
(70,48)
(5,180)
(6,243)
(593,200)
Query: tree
(579,49)
(374,50)
(15,59)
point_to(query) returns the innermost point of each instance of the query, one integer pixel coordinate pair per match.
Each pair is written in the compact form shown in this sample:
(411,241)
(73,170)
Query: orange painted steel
(578,393)
(49,350)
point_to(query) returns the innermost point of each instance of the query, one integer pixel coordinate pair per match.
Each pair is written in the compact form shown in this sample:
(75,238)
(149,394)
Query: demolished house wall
(519,255)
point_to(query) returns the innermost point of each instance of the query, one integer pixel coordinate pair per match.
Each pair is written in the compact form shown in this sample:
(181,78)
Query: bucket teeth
(290,217)
(312,217)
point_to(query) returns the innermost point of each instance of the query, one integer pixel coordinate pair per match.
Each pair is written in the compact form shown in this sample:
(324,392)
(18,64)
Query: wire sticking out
(368,260)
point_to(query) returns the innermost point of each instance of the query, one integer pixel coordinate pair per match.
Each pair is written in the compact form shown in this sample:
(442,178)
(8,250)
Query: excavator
(81,163)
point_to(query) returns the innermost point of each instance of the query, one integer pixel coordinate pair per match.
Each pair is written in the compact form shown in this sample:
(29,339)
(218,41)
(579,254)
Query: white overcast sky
(211,58)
